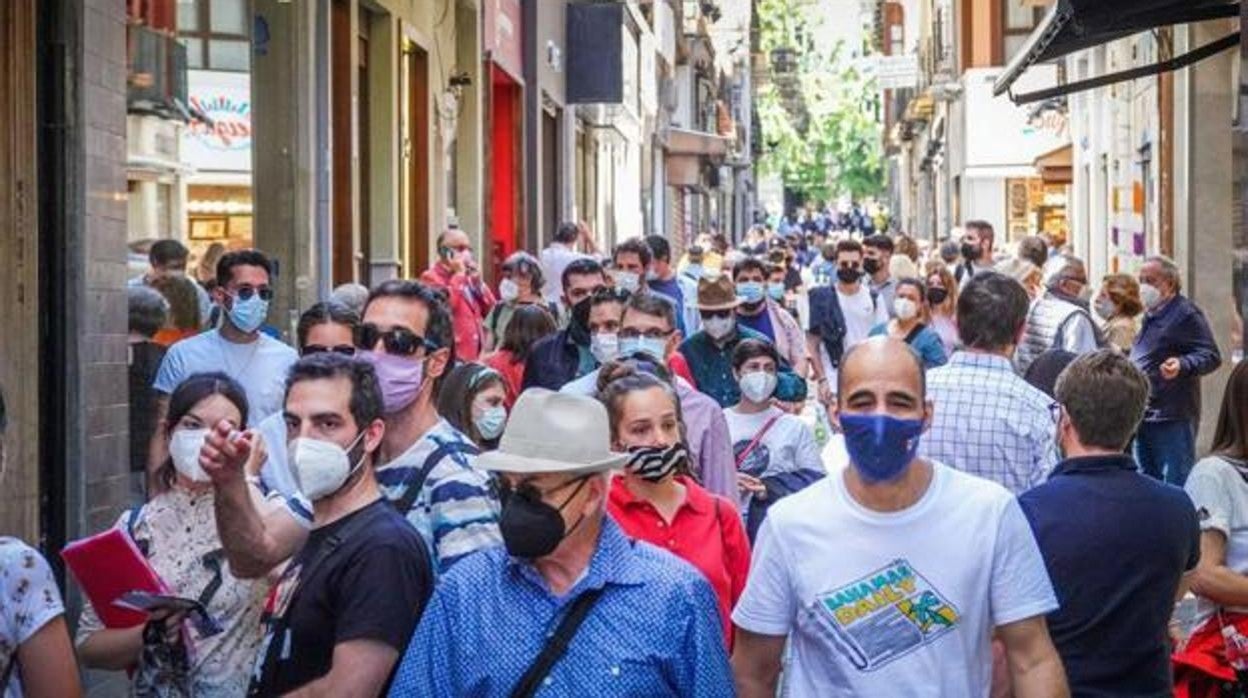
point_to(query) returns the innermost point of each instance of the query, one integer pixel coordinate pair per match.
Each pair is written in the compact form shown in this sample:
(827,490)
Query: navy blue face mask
(880,446)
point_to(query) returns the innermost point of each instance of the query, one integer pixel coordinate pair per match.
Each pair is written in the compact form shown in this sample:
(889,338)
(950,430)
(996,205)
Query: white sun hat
(549,432)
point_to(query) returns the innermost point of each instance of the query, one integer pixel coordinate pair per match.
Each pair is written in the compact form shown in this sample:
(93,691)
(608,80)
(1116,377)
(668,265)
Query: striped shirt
(454,513)
(989,422)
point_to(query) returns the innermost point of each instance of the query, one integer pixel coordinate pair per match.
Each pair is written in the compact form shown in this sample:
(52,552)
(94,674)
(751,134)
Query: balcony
(156,82)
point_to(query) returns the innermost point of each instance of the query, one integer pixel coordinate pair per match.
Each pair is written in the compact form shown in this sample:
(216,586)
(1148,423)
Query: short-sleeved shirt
(789,444)
(760,323)
(29,600)
(260,367)
(898,604)
(373,586)
(1126,606)
(1218,487)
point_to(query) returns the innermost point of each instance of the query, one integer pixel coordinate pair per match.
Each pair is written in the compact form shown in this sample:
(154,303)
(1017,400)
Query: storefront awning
(681,141)
(1074,25)
(1055,166)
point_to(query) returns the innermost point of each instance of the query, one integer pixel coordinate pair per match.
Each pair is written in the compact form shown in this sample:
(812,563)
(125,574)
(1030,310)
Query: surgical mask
(605,346)
(653,463)
(653,346)
(491,421)
(508,290)
(936,296)
(751,291)
(871,266)
(248,315)
(758,386)
(719,327)
(880,446)
(321,468)
(848,275)
(400,379)
(652,276)
(970,252)
(695,271)
(628,281)
(531,528)
(905,309)
(184,448)
(776,292)
(1085,294)
(1150,295)
(1104,307)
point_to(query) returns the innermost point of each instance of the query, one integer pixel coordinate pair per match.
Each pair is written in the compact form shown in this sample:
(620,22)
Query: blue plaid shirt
(989,422)
(654,632)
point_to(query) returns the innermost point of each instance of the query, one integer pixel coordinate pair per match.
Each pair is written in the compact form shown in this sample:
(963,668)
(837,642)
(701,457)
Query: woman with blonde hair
(942,303)
(1119,305)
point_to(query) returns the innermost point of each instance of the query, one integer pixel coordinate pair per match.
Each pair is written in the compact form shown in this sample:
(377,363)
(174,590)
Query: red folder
(108,565)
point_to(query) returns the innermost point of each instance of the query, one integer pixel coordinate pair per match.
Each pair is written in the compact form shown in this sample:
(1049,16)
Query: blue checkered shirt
(989,422)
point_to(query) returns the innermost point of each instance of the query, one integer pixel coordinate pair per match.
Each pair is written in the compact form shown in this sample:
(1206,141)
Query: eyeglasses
(246,292)
(707,314)
(344,349)
(398,341)
(503,491)
(652,333)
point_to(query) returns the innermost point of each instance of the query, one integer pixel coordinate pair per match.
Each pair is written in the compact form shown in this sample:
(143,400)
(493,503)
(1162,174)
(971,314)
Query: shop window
(216,33)
(1018,20)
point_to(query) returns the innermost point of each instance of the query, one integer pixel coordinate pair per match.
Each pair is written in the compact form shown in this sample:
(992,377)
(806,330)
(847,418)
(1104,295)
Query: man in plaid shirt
(988,421)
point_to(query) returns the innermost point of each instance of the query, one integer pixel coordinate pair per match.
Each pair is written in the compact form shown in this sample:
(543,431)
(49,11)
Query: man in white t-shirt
(891,575)
(238,348)
(560,253)
(840,316)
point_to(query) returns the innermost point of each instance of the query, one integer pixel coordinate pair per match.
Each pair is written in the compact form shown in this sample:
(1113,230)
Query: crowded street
(639,348)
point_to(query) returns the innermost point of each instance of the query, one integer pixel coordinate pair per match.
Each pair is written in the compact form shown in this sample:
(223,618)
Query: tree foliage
(817,114)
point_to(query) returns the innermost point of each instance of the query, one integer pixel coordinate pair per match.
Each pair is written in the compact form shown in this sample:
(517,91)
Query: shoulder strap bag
(758,438)
(404,504)
(553,651)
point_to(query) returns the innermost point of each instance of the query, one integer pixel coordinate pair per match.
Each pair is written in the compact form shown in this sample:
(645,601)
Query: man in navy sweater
(1174,349)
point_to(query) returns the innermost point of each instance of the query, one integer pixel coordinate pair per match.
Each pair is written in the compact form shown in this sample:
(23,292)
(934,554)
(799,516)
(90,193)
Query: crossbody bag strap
(553,651)
(404,504)
(758,438)
(914,333)
(8,673)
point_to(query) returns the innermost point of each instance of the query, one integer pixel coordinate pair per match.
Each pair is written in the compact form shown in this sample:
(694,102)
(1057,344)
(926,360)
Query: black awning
(1074,25)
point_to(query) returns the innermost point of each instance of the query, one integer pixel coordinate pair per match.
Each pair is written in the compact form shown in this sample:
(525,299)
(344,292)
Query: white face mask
(184,447)
(1150,295)
(491,421)
(719,327)
(605,346)
(322,467)
(758,386)
(628,281)
(508,290)
(905,309)
(1104,307)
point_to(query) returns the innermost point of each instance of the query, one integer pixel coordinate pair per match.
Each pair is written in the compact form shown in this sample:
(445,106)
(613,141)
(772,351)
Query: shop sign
(222,143)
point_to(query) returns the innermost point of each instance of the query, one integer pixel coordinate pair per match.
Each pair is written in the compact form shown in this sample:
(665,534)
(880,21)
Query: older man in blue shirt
(1174,349)
(649,621)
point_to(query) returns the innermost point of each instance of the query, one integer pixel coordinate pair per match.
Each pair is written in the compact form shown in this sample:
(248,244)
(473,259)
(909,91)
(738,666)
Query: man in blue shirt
(681,290)
(1096,507)
(1174,349)
(651,628)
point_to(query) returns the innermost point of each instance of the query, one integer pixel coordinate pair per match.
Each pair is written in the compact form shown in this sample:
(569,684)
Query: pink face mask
(400,379)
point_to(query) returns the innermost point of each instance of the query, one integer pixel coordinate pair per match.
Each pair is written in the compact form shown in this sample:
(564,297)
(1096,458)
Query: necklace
(225,357)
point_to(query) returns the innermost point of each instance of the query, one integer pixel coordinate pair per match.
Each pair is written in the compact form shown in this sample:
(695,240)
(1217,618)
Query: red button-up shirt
(470,301)
(706,532)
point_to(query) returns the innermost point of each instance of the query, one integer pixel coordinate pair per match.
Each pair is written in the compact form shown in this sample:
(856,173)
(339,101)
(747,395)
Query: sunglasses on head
(344,349)
(246,292)
(398,341)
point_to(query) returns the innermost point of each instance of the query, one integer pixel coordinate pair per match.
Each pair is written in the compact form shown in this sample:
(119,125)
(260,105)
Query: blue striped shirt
(455,513)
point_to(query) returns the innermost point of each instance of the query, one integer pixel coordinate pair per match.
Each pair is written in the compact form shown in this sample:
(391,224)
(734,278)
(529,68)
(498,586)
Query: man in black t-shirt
(347,603)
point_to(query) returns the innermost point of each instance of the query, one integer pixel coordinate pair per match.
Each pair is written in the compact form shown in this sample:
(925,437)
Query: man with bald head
(891,575)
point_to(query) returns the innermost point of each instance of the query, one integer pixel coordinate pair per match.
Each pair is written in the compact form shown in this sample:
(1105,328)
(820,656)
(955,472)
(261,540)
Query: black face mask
(578,325)
(970,252)
(530,527)
(936,296)
(848,275)
(871,266)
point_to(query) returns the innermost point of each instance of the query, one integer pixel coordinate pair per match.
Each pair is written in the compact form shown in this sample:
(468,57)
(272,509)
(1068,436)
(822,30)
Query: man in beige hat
(709,351)
(568,604)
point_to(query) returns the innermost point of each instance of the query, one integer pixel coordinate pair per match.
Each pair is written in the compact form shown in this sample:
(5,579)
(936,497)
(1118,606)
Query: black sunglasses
(503,491)
(717,313)
(246,292)
(398,341)
(344,349)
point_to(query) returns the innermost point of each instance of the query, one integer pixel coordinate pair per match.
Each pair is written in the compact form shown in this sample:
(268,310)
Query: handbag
(758,438)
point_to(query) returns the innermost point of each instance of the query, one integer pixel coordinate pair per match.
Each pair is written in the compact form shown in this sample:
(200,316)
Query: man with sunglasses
(643,623)
(425,467)
(237,348)
(456,273)
(569,353)
(840,316)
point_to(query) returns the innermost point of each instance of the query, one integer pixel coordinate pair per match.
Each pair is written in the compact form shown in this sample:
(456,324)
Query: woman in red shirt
(528,324)
(655,500)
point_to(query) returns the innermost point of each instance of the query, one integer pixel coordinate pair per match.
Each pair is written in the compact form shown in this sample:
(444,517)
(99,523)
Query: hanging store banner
(218,139)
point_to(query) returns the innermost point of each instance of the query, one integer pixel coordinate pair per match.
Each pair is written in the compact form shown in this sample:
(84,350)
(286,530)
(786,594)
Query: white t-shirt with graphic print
(894,604)
(29,600)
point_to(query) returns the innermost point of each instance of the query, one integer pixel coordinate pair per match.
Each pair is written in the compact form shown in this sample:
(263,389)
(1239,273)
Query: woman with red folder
(177,533)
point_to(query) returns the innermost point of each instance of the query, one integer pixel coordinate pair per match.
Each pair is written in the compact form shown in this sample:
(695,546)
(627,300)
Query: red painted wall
(505,154)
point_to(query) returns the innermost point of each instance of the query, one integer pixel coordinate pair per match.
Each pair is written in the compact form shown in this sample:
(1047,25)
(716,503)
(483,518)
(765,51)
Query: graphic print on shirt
(275,607)
(756,461)
(884,615)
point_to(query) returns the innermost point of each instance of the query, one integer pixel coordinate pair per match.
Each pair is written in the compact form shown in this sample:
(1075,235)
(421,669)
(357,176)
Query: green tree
(817,113)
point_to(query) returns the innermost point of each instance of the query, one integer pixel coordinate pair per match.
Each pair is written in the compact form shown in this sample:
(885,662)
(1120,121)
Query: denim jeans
(1166,450)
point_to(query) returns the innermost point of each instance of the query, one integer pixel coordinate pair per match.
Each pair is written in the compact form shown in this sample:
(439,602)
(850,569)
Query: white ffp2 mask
(321,467)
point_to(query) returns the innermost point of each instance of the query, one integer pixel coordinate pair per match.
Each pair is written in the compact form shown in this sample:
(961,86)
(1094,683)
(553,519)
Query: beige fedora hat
(717,293)
(549,432)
